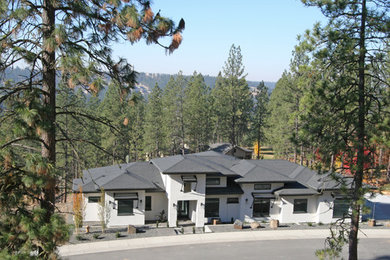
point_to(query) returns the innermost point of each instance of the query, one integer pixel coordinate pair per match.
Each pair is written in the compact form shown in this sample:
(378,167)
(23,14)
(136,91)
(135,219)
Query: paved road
(369,248)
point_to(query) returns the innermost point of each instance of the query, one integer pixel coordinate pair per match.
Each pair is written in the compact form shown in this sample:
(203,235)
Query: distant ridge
(145,81)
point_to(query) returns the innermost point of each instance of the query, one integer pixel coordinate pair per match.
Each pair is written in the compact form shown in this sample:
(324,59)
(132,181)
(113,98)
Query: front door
(182,209)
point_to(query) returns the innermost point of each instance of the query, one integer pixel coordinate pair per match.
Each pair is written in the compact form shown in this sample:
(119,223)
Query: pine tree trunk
(66,161)
(331,162)
(48,146)
(388,169)
(380,159)
(49,116)
(360,131)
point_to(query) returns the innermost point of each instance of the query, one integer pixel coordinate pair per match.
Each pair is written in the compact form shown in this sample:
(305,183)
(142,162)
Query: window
(93,199)
(300,206)
(232,201)
(148,203)
(213,181)
(262,186)
(187,186)
(340,208)
(211,208)
(261,207)
(125,207)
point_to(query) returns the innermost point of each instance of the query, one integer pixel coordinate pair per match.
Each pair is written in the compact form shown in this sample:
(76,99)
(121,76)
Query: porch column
(172,213)
(199,221)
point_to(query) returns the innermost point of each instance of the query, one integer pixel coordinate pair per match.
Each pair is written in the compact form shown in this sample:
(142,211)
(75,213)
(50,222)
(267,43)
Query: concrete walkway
(147,242)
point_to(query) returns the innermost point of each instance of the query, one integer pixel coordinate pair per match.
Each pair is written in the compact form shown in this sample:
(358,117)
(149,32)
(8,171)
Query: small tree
(104,212)
(78,209)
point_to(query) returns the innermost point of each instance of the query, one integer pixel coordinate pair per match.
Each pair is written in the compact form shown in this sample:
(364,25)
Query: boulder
(255,225)
(371,223)
(237,224)
(274,223)
(131,229)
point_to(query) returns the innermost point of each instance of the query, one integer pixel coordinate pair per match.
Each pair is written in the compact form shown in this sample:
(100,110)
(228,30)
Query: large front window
(212,208)
(125,207)
(300,206)
(261,207)
(340,208)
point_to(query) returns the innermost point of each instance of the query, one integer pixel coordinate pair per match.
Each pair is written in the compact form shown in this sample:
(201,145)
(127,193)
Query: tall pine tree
(51,36)
(197,108)
(232,99)
(350,50)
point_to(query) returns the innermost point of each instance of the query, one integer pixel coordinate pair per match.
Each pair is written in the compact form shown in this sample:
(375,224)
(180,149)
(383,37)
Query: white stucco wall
(227,212)
(246,202)
(287,214)
(91,209)
(325,208)
(159,203)
(138,216)
(174,186)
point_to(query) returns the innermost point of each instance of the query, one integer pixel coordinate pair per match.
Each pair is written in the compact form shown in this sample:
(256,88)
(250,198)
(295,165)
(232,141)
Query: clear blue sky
(266,30)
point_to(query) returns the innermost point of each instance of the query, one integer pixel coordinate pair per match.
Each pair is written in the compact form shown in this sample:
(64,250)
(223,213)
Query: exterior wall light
(113,204)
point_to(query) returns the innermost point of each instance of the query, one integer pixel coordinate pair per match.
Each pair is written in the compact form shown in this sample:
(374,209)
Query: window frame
(148,203)
(208,202)
(119,201)
(268,185)
(298,204)
(187,187)
(260,202)
(218,182)
(92,198)
(233,200)
(345,202)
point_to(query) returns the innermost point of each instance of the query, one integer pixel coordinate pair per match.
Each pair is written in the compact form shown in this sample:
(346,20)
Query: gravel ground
(151,231)
(119,233)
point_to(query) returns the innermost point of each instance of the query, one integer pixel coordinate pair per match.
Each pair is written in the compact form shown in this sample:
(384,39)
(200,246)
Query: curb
(148,242)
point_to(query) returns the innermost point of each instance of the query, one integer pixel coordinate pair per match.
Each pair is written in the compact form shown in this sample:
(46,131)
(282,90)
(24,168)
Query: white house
(210,185)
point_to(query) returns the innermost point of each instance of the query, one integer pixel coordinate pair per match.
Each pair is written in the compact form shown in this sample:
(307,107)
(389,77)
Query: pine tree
(136,112)
(197,110)
(281,126)
(232,99)
(51,36)
(260,116)
(349,51)
(154,137)
(173,103)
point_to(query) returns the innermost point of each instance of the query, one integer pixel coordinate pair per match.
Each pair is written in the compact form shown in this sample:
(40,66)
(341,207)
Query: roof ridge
(297,171)
(245,161)
(162,158)
(135,176)
(272,170)
(213,162)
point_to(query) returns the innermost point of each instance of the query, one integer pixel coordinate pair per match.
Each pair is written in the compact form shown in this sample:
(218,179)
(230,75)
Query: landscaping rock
(255,225)
(274,223)
(371,222)
(237,224)
(131,229)
(387,224)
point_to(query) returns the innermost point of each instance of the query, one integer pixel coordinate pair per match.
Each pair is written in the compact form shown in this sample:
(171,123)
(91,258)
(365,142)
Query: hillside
(145,81)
